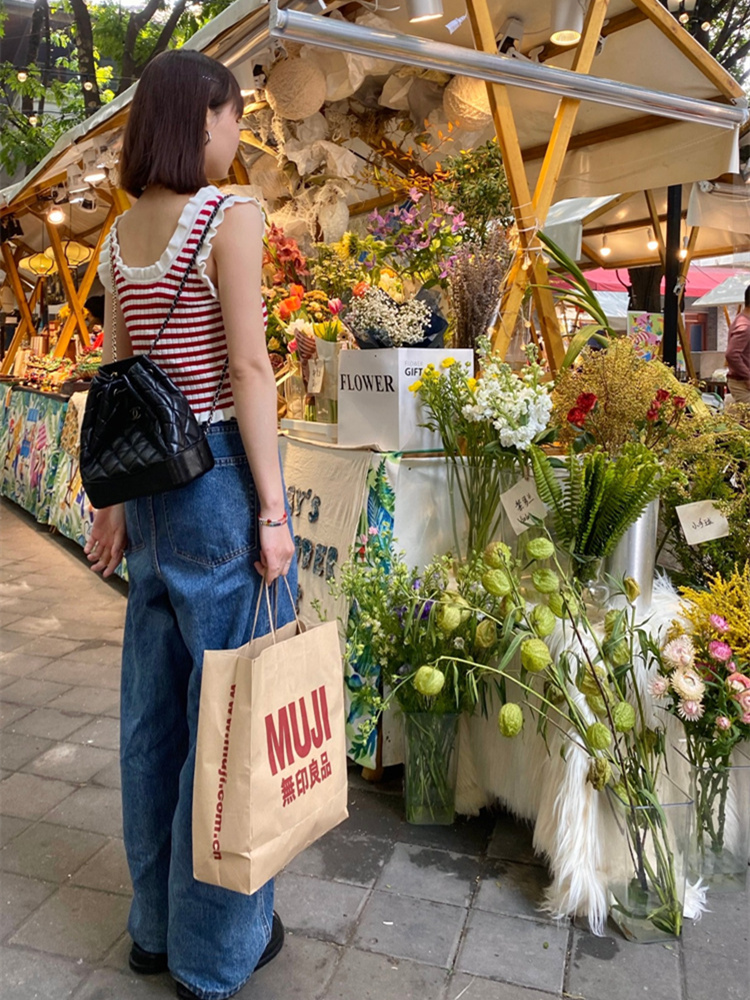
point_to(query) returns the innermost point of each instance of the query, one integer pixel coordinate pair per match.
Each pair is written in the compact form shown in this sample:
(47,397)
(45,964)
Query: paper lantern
(296,89)
(39,264)
(266,175)
(75,253)
(333,219)
(465,101)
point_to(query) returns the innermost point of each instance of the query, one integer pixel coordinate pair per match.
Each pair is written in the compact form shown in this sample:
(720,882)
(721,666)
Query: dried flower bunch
(725,599)
(477,278)
(625,389)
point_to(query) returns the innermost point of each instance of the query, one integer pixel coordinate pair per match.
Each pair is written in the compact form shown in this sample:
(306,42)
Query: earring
(208,137)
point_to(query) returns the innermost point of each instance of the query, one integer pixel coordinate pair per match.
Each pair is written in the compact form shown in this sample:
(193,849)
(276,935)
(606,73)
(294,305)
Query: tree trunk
(644,288)
(39,16)
(136,22)
(84,38)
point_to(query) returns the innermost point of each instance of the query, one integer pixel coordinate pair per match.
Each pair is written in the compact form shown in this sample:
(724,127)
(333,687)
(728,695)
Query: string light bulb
(55,216)
(33,120)
(706,26)
(22,76)
(606,249)
(683,249)
(684,17)
(88,85)
(653,243)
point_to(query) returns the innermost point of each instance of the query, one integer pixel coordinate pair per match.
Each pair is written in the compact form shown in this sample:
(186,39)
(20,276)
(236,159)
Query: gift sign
(702,521)
(522,504)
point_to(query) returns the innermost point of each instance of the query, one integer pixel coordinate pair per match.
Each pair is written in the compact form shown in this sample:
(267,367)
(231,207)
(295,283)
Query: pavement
(377,909)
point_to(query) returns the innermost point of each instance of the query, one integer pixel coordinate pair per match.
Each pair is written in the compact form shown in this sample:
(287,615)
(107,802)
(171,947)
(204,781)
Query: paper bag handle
(264,591)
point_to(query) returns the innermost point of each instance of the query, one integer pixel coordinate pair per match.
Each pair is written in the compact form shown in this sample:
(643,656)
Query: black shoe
(147,963)
(272,949)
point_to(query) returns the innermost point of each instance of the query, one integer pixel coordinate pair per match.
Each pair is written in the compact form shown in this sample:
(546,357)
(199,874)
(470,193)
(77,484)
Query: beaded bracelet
(270,522)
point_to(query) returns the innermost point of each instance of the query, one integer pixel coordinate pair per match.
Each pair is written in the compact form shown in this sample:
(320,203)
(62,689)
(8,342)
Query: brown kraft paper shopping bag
(270,772)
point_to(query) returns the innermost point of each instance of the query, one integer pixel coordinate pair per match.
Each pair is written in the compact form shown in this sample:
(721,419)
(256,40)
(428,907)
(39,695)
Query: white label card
(522,503)
(702,521)
(316,374)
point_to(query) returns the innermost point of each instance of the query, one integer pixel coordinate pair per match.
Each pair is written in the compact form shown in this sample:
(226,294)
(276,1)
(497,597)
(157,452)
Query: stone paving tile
(17,749)
(104,655)
(374,977)
(302,970)
(410,928)
(49,852)
(12,713)
(106,984)
(425,873)
(339,856)
(22,664)
(28,975)
(20,896)
(107,870)
(102,732)
(463,987)
(35,625)
(318,908)
(7,618)
(10,827)
(725,928)
(610,968)
(523,952)
(85,674)
(10,641)
(28,796)
(77,923)
(109,776)
(91,808)
(50,724)
(512,841)
(517,890)
(93,700)
(6,679)
(45,645)
(28,691)
(711,976)
(72,761)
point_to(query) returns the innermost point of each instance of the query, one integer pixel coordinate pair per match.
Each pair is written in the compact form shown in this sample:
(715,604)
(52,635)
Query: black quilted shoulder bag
(139,435)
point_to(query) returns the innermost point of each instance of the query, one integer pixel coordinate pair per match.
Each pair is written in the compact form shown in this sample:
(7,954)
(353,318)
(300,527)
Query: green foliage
(474,182)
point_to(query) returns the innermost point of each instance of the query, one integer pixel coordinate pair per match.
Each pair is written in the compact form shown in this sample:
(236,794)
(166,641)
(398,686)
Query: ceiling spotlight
(76,183)
(22,76)
(55,216)
(92,173)
(606,249)
(652,244)
(89,202)
(424,10)
(567,23)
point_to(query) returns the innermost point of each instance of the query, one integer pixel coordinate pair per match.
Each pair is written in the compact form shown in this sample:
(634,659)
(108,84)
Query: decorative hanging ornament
(39,264)
(296,89)
(75,253)
(466,102)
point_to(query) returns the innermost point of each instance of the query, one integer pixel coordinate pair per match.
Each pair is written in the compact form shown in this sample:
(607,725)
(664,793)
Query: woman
(197,556)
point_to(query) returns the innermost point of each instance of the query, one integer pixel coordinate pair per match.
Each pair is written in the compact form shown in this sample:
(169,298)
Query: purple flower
(426,608)
(415,195)
(458,223)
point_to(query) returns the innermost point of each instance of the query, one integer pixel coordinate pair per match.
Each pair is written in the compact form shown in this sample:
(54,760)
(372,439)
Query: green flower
(496,582)
(598,736)
(546,581)
(535,655)
(623,716)
(597,704)
(611,620)
(448,618)
(510,719)
(486,634)
(632,590)
(429,681)
(540,548)
(588,684)
(542,620)
(619,654)
(600,773)
(556,604)
(497,555)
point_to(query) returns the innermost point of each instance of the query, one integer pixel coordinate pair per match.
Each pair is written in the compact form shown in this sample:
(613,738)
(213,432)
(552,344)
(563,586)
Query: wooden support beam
(645,123)
(507,136)
(86,284)
(121,200)
(656,225)
(240,171)
(251,139)
(381,201)
(27,320)
(567,112)
(68,284)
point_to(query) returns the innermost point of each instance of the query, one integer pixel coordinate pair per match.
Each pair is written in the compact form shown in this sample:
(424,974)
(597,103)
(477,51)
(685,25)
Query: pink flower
(719,623)
(723,723)
(292,346)
(743,700)
(679,652)
(737,683)
(658,687)
(690,711)
(335,305)
(720,651)
(372,530)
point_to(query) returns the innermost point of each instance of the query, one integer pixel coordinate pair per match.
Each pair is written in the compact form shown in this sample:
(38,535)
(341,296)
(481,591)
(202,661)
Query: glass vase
(430,767)
(720,843)
(647,891)
(294,393)
(326,401)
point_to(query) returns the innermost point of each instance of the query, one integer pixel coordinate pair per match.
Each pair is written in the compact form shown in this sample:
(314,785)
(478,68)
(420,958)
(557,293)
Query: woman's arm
(238,254)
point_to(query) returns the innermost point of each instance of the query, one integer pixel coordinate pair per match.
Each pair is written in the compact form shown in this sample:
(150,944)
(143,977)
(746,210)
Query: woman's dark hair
(166,131)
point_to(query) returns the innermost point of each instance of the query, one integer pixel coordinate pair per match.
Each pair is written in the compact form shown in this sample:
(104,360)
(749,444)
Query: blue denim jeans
(193,586)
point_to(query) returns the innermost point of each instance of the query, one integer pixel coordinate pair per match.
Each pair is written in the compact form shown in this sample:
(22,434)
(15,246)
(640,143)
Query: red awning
(700,279)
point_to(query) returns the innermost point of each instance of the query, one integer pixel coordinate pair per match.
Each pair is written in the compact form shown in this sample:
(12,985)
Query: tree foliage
(100,51)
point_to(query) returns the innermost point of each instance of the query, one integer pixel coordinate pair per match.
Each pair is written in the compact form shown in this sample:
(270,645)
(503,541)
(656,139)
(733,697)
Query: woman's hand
(276,552)
(108,540)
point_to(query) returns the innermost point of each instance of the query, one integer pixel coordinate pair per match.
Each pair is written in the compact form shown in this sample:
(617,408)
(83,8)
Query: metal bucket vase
(635,554)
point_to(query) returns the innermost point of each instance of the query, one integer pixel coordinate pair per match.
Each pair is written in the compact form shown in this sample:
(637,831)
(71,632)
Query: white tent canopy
(728,293)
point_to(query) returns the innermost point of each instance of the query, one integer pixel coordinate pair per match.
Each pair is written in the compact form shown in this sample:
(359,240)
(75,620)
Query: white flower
(687,683)
(658,687)
(392,325)
(299,326)
(689,710)
(679,653)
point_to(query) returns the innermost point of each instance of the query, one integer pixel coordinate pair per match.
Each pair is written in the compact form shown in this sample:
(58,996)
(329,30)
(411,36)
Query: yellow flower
(472,383)
(447,362)
(415,386)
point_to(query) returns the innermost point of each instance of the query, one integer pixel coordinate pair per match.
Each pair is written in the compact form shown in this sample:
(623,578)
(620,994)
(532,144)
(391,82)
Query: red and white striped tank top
(193,347)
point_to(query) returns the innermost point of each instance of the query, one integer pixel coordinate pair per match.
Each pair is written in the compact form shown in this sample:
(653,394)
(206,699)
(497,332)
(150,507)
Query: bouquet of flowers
(376,320)
(282,258)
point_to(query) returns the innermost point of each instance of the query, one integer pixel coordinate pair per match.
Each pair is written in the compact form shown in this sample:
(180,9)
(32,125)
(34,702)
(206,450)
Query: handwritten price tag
(702,521)
(317,370)
(522,503)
